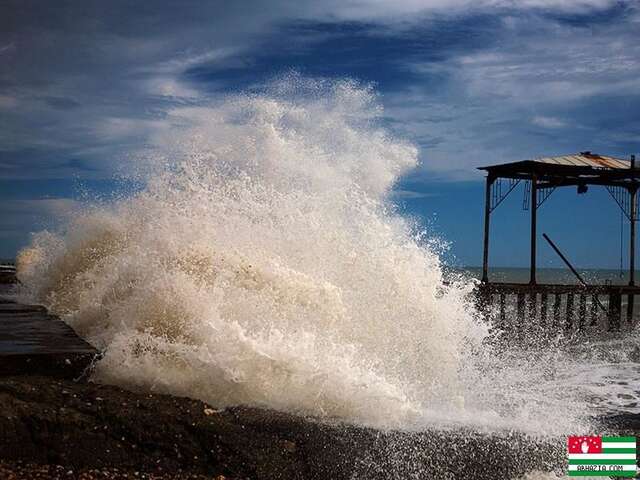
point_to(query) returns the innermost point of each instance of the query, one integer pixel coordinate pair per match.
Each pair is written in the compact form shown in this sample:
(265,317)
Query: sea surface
(605,369)
(553,275)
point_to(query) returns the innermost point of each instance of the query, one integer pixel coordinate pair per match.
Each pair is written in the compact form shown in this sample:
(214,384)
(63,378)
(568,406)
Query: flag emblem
(601,456)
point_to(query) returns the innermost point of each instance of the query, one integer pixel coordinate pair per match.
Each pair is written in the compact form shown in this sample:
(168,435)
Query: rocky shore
(70,429)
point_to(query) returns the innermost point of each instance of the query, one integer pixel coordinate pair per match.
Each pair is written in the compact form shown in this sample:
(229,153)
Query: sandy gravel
(23,471)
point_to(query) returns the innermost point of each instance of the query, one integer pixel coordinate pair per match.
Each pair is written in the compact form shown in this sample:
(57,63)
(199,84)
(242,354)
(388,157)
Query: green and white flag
(602,456)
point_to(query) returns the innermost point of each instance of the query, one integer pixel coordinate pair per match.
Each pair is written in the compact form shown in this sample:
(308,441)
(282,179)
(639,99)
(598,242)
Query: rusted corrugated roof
(582,159)
(586,159)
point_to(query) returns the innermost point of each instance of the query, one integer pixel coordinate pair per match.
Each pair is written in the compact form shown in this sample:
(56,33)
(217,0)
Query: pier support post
(544,301)
(615,306)
(556,309)
(569,318)
(632,238)
(534,211)
(594,310)
(633,193)
(487,218)
(582,311)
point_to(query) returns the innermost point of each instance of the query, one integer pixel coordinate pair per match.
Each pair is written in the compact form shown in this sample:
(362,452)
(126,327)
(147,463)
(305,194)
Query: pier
(32,341)
(551,306)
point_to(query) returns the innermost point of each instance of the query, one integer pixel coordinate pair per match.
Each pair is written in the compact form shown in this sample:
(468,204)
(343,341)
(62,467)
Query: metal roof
(582,159)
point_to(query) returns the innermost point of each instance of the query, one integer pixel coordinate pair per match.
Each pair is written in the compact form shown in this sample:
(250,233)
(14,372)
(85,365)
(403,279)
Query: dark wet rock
(47,421)
(7,274)
(620,424)
(31,471)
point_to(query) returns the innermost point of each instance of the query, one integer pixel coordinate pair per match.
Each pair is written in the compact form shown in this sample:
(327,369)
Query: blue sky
(84,83)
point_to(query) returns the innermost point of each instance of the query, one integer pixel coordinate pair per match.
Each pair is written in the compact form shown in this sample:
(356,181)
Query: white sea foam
(263,264)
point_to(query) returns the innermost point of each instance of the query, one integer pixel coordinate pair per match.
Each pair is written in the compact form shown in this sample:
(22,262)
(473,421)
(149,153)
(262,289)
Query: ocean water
(265,265)
(603,369)
(552,275)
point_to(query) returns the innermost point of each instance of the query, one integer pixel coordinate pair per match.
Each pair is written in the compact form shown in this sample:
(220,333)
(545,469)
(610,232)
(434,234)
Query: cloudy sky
(471,82)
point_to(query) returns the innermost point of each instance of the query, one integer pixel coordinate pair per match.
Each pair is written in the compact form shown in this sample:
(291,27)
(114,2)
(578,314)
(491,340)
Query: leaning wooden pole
(564,259)
(573,270)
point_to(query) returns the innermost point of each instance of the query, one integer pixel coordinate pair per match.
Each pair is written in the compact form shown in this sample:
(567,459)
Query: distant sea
(521,275)
(551,275)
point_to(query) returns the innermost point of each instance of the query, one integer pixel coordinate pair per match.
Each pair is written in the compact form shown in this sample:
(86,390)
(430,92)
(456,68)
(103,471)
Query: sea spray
(263,264)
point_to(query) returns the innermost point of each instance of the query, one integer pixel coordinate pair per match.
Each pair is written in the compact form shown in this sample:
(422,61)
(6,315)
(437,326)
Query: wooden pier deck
(554,307)
(32,341)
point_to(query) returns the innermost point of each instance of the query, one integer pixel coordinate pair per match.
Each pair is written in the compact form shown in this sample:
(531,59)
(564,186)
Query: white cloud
(123,128)
(7,48)
(166,86)
(125,79)
(7,101)
(388,11)
(539,73)
(164,78)
(181,61)
(545,62)
(547,122)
